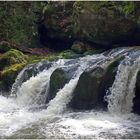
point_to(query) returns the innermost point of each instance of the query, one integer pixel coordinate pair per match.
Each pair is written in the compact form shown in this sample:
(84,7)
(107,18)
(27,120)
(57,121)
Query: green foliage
(48,9)
(78,5)
(5,47)
(17,21)
(128,8)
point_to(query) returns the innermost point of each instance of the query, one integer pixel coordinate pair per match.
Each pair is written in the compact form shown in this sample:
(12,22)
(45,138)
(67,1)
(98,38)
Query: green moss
(12,69)
(37,58)
(12,57)
(9,74)
(11,63)
(68,54)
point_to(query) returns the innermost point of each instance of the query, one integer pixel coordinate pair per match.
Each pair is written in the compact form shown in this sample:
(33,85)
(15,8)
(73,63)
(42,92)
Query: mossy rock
(85,95)
(57,81)
(9,74)
(60,19)
(12,57)
(11,63)
(104,23)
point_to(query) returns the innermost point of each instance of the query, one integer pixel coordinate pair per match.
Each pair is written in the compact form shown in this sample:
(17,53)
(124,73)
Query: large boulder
(58,79)
(11,63)
(12,57)
(92,87)
(104,23)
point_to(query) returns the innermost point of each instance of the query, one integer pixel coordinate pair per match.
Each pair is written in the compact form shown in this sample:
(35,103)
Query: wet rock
(58,79)
(85,95)
(92,87)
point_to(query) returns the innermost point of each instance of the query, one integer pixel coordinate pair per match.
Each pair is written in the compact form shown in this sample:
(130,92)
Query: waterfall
(34,91)
(64,95)
(30,93)
(18,81)
(56,119)
(59,103)
(27,72)
(122,92)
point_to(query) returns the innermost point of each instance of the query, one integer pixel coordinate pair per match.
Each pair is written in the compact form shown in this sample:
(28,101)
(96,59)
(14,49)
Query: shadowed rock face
(85,95)
(58,79)
(92,86)
(104,23)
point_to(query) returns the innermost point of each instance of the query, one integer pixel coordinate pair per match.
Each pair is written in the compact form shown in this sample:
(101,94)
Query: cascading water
(31,95)
(19,117)
(122,91)
(34,91)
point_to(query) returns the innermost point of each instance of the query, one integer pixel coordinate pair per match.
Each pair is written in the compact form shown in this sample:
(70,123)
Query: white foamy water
(59,103)
(21,123)
(122,91)
(23,117)
(34,91)
(30,91)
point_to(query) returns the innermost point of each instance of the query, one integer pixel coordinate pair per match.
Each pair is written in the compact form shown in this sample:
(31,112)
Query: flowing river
(25,113)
